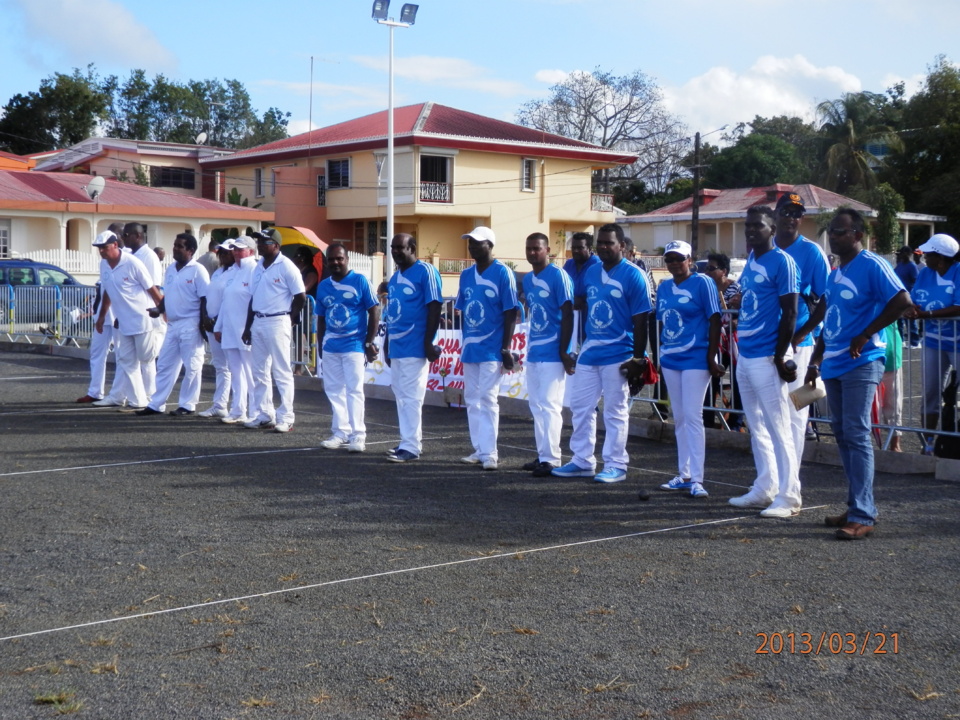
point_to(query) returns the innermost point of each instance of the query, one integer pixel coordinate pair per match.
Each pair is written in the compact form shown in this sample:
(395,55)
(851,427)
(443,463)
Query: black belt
(263,315)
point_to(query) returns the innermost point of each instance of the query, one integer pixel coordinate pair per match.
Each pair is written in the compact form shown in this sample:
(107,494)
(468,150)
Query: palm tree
(849,126)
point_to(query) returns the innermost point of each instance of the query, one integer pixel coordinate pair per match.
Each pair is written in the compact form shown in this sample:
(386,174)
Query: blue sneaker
(678,483)
(401,456)
(611,475)
(697,491)
(572,470)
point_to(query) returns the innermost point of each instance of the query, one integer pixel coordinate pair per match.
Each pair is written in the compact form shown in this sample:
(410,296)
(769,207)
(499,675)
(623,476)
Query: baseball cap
(678,246)
(480,234)
(227,244)
(105,238)
(791,199)
(244,241)
(942,244)
(269,235)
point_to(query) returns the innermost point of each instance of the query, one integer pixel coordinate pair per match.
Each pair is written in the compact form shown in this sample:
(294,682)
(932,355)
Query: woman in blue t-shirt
(935,301)
(688,310)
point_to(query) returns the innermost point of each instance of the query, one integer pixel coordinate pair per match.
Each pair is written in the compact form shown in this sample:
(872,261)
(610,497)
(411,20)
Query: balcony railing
(436,192)
(601,202)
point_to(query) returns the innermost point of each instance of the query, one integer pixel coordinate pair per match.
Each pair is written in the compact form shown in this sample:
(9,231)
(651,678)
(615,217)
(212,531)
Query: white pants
(481,384)
(892,411)
(270,339)
(798,418)
(408,378)
(182,348)
(343,377)
(240,361)
(221,395)
(686,389)
(545,386)
(100,346)
(767,408)
(134,352)
(590,382)
(148,367)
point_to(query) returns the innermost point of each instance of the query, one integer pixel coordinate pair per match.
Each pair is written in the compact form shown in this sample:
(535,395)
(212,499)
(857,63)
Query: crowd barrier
(64,316)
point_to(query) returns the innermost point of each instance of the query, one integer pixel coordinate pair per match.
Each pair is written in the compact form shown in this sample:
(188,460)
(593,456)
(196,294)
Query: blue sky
(716,62)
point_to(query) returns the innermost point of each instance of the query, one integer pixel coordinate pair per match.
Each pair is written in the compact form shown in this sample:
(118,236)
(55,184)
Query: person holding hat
(935,301)
(210,303)
(488,302)
(688,308)
(275,306)
(907,270)
(812,265)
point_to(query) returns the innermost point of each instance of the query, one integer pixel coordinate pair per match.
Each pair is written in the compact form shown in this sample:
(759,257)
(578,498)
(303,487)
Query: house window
(321,191)
(173,177)
(435,179)
(258,182)
(338,173)
(273,182)
(528,174)
(4,238)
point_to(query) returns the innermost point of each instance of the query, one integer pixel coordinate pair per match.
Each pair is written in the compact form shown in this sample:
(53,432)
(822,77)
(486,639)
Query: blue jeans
(850,397)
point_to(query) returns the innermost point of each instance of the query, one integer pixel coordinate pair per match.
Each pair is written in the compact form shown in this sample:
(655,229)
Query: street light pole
(695,210)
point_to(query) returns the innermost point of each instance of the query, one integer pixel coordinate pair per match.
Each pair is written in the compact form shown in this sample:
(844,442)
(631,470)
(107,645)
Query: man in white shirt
(278,298)
(210,305)
(135,240)
(183,284)
(128,289)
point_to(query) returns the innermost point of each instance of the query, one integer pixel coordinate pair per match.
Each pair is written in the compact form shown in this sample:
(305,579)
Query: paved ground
(435,590)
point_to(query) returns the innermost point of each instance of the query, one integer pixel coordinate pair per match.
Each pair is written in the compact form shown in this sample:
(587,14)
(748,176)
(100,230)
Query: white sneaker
(333,442)
(751,500)
(259,424)
(779,511)
(489,464)
(231,420)
(212,412)
(108,402)
(356,446)
(283,427)
(472,459)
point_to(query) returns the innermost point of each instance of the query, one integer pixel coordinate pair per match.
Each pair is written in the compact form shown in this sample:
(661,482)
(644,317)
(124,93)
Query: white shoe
(259,424)
(108,402)
(356,446)
(231,420)
(212,412)
(779,511)
(489,464)
(283,427)
(472,459)
(333,442)
(751,500)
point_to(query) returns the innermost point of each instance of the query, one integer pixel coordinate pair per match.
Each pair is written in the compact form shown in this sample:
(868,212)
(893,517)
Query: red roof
(426,124)
(737,201)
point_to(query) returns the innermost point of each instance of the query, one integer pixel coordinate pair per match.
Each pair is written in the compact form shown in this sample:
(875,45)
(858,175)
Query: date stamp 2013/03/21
(828,643)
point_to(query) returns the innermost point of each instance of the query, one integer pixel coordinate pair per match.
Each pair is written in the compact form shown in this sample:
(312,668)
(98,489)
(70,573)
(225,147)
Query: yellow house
(454,170)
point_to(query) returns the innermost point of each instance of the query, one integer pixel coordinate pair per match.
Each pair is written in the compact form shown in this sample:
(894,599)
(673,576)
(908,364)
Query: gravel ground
(308,583)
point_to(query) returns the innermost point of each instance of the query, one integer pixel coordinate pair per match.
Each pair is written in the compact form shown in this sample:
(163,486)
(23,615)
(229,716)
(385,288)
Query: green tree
(755,161)
(889,204)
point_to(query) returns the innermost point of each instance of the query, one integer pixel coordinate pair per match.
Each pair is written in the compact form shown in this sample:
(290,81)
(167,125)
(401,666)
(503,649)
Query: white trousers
(134,353)
(590,382)
(481,384)
(767,408)
(687,389)
(892,411)
(798,418)
(343,377)
(100,346)
(240,361)
(148,368)
(221,395)
(270,339)
(545,387)
(408,378)
(182,348)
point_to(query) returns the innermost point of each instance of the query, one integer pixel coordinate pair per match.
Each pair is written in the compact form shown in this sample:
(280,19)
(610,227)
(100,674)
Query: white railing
(601,202)
(75,262)
(363,265)
(435,192)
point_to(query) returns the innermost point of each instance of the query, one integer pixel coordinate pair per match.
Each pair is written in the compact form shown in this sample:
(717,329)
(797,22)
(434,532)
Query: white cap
(942,244)
(226,245)
(480,234)
(678,246)
(105,238)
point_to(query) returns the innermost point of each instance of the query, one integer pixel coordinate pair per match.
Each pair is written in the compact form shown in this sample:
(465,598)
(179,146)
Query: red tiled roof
(10,156)
(425,124)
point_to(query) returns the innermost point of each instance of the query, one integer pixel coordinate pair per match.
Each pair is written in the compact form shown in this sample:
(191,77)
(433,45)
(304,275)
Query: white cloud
(551,77)
(911,85)
(772,86)
(445,72)
(100,31)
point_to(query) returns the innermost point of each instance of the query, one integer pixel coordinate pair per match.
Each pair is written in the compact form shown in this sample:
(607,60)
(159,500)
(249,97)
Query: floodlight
(380,9)
(408,13)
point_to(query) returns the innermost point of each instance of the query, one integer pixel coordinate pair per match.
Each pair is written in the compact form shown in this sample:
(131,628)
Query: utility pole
(695,211)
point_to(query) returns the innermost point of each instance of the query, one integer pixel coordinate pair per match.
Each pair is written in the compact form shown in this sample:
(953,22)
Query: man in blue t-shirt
(863,297)
(908,271)
(769,287)
(813,268)
(549,294)
(487,301)
(618,303)
(581,260)
(412,316)
(347,320)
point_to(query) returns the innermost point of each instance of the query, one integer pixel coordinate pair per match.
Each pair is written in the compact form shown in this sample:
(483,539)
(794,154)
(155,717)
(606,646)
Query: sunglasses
(711,268)
(791,212)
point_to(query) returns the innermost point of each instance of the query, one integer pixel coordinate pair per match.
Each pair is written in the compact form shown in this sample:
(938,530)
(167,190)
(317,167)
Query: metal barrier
(46,313)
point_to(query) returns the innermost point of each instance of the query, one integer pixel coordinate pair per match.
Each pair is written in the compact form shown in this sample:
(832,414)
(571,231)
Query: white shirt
(150,260)
(237,290)
(182,290)
(127,285)
(214,291)
(275,286)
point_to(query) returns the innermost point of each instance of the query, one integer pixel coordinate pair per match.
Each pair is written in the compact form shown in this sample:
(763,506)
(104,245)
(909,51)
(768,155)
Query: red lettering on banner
(433,384)
(458,368)
(519,341)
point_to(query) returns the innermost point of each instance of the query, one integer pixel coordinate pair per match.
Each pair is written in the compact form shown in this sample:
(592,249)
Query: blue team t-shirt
(856,295)
(613,298)
(409,293)
(546,294)
(933,292)
(684,312)
(576,275)
(482,300)
(813,268)
(343,305)
(763,281)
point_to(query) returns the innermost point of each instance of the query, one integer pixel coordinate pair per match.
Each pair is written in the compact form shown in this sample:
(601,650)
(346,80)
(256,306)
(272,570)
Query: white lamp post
(408,15)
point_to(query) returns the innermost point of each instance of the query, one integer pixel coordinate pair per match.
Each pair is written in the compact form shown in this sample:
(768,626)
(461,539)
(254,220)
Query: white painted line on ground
(373,576)
(44,377)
